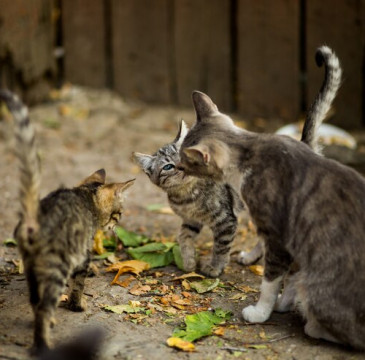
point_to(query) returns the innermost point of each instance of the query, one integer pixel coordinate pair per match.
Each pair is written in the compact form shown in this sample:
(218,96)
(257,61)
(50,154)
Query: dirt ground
(79,132)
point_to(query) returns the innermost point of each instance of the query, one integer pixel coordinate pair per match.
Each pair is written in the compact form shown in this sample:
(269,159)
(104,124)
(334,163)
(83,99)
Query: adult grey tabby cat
(53,234)
(202,202)
(310,211)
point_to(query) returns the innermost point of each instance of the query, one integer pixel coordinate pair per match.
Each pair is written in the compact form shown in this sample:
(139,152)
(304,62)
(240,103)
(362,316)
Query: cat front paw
(255,314)
(77,305)
(189,265)
(210,271)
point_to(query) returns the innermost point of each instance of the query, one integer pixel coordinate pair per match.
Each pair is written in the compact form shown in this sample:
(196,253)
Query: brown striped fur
(53,234)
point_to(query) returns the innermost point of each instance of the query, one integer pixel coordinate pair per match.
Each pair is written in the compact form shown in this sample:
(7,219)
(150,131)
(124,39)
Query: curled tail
(29,165)
(325,97)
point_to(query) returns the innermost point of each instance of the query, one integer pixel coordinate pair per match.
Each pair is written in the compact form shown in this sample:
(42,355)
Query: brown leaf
(187,276)
(139,289)
(132,266)
(126,282)
(219,331)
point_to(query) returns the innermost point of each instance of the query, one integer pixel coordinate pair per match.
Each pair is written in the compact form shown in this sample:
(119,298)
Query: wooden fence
(255,57)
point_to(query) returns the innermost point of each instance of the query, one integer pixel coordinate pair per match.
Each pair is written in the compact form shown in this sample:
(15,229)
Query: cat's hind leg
(76,301)
(315,330)
(187,235)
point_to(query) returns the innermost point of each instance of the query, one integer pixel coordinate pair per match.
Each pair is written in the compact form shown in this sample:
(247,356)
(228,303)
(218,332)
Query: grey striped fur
(198,202)
(53,234)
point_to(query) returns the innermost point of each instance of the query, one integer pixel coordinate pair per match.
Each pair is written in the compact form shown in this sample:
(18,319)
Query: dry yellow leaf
(187,276)
(126,282)
(132,266)
(180,344)
(98,242)
(186,285)
(139,289)
(219,331)
(257,269)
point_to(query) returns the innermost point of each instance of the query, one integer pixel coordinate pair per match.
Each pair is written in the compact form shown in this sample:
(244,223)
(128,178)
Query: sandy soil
(79,133)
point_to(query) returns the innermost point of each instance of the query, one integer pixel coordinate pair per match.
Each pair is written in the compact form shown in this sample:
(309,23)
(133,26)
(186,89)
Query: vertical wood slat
(341,26)
(141,49)
(84,42)
(203,50)
(268,58)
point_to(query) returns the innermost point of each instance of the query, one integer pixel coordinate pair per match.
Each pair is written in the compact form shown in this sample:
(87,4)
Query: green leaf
(130,238)
(154,207)
(155,254)
(176,251)
(110,243)
(10,242)
(120,309)
(201,324)
(205,285)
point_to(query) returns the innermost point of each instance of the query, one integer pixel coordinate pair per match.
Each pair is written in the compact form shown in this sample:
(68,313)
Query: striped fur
(325,97)
(53,234)
(198,202)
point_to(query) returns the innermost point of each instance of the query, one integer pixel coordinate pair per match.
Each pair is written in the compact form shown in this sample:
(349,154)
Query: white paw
(247,257)
(255,314)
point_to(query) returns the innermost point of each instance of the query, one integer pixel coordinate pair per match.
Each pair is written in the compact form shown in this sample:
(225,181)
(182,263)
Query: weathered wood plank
(268,58)
(26,47)
(141,47)
(84,42)
(203,50)
(341,26)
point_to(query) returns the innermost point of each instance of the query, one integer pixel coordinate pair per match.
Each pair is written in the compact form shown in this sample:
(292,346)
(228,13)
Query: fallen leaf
(160,208)
(133,266)
(262,335)
(204,285)
(238,297)
(257,347)
(130,238)
(187,276)
(180,344)
(186,285)
(257,269)
(219,331)
(63,298)
(126,282)
(139,289)
(201,324)
(246,289)
(126,308)
(10,242)
(98,242)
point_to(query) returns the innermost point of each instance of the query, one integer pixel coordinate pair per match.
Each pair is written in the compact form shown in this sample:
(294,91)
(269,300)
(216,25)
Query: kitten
(309,210)
(53,234)
(202,202)
(198,202)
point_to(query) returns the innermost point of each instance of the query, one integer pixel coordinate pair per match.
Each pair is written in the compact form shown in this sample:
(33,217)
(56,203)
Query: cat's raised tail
(29,164)
(323,101)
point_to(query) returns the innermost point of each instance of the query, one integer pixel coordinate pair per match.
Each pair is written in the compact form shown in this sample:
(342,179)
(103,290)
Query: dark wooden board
(202,55)
(341,26)
(268,58)
(141,49)
(84,42)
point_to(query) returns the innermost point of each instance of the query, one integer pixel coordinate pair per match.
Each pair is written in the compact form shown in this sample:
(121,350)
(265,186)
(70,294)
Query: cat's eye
(168,167)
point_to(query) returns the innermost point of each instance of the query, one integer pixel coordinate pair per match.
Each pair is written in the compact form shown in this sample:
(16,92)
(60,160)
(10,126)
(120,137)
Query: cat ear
(96,177)
(203,104)
(120,188)
(183,130)
(198,154)
(143,160)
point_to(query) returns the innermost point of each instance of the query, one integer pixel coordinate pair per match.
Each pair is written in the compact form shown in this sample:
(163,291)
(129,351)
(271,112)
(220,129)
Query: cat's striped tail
(29,165)
(325,97)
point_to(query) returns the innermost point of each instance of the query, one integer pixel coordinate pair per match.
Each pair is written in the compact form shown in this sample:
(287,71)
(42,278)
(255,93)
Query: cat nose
(180,167)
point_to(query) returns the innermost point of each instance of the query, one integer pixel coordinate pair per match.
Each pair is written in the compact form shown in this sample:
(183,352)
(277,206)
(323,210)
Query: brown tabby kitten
(54,234)
(309,210)
(198,202)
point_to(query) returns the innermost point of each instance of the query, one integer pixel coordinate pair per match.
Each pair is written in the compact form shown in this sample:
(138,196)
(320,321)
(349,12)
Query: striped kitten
(204,202)
(309,210)
(197,201)
(53,234)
